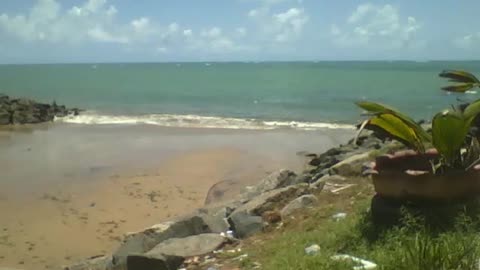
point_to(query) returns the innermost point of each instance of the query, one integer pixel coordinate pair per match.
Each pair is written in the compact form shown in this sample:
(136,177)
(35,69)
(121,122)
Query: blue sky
(45,31)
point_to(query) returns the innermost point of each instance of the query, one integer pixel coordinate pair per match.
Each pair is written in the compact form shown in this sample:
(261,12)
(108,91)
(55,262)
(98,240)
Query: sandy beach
(70,192)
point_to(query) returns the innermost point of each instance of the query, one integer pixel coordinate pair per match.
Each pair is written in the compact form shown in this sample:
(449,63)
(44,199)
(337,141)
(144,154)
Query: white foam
(194,121)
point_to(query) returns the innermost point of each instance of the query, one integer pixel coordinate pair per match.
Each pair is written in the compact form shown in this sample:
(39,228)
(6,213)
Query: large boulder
(158,262)
(274,198)
(215,218)
(278,179)
(145,240)
(189,246)
(299,203)
(245,225)
(247,218)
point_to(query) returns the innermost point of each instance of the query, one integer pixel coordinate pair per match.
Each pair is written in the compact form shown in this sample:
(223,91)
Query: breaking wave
(195,121)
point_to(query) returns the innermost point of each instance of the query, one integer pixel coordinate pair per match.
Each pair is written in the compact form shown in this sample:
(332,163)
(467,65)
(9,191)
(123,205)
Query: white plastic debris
(364,265)
(339,216)
(241,257)
(228,234)
(312,250)
(342,188)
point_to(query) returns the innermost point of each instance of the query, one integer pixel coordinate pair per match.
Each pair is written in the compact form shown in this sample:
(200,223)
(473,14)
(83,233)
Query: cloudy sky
(43,31)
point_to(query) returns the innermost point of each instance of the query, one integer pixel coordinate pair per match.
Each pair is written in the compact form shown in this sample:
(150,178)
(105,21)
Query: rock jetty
(27,111)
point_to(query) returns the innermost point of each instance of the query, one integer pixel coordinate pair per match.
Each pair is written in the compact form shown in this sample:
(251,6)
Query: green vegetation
(412,246)
(449,133)
(465,81)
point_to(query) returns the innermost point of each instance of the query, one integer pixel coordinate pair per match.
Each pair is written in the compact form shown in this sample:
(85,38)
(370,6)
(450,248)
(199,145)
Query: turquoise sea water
(225,94)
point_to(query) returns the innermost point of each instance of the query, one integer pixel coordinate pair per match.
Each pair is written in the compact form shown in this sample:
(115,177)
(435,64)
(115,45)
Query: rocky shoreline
(26,111)
(176,244)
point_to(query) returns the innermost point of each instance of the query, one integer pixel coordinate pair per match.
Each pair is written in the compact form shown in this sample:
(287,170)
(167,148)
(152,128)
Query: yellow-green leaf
(397,129)
(459,88)
(449,130)
(377,108)
(472,110)
(459,76)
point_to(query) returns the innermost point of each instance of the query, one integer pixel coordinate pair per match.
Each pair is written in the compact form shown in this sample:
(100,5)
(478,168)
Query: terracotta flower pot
(407,175)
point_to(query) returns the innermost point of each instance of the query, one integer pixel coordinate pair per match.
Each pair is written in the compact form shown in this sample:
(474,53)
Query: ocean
(250,95)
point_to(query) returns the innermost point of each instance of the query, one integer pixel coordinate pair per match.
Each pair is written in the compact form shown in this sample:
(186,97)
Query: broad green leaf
(377,108)
(459,88)
(397,129)
(472,110)
(449,130)
(459,76)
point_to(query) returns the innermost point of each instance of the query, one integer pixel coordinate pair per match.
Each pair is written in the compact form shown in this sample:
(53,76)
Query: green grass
(413,246)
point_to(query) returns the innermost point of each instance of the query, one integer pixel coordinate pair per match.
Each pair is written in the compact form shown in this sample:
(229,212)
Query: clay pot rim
(404,155)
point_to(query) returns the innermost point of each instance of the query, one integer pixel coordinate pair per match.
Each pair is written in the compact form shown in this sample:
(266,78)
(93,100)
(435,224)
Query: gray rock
(189,246)
(4,117)
(245,224)
(23,117)
(351,166)
(299,203)
(274,198)
(318,185)
(143,241)
(215,218)
(333,178)
(26,111)
(278,179)
(158,262)
(304,178)
(94,263)
(246,219)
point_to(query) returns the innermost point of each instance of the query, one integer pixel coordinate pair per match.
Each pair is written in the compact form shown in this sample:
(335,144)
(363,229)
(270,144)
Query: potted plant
(436,159)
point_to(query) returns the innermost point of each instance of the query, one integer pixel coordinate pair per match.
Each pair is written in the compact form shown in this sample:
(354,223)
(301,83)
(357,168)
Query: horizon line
(237,61)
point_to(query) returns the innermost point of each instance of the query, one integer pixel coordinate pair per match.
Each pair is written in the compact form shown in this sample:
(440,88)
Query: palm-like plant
(449,133)
(465,81)
(448,136)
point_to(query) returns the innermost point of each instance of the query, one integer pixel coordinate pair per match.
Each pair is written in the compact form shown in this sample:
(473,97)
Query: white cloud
(173,28)
(280,27)
(188,32)
(213,32)
(240,32)
(111,11)
(98,21)
(141,25)
(161,50)
(377,27)
(99,34)
(214,40)
(45,21)
(470,41)
(289,24)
